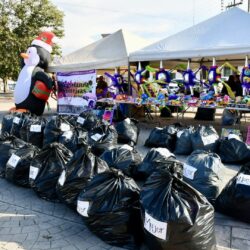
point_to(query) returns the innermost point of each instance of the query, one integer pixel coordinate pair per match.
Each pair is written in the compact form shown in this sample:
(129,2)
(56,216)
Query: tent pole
(129,80)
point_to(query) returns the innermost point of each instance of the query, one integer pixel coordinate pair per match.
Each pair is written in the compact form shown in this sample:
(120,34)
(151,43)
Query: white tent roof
(108,52)
(224,36)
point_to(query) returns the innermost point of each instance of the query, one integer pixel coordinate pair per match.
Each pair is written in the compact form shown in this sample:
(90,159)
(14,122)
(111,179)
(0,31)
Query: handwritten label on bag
(62,178)
(179,133)
(82,208)
(64,127)
(36,128)
(243,179)
(33,172)
(80,120)
(16,120)
(209,139)
(14,159)
(126,146)
(164,152)
(96,137)
(189,171)
(155,227)
(68,134)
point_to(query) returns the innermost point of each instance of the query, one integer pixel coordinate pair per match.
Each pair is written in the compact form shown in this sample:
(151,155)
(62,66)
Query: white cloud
(86,20)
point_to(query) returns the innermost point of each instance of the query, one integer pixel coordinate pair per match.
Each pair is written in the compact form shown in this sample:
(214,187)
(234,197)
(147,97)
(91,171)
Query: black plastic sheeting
(7,123)
(234,199)
(155,158)
(46,168)
(183,141)
(234,151)
(204,171)
(18,165)
(163,137)
(17,124)
(78,172)
(128,131)
(109,206)
(175,215)
(8,145)
(205,138)
(103,138)
(124,158)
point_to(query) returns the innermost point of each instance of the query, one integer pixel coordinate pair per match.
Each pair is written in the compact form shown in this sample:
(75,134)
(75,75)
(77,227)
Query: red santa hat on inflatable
(45,40)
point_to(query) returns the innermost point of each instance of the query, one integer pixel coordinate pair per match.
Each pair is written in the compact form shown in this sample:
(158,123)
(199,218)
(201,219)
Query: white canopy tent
(224,36)
(108,52)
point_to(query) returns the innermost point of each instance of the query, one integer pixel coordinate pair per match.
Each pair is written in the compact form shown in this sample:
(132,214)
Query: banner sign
(76,91)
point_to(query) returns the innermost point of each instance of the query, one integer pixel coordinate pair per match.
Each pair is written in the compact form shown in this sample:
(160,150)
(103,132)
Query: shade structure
(223,36)
(108,52)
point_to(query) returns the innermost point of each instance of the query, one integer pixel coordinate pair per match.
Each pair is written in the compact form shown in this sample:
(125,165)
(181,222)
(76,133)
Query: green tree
(20,22)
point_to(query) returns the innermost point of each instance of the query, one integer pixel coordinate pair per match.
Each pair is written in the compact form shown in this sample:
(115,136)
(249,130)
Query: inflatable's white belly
(22,88)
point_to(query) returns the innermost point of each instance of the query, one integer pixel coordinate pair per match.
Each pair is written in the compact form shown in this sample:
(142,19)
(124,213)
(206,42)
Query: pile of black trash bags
(125,199)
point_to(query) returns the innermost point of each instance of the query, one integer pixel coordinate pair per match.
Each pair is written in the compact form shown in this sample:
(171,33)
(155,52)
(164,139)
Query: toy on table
(162,76)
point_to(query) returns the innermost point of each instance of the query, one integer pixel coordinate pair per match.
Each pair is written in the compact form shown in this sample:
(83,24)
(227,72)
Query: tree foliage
(20,22)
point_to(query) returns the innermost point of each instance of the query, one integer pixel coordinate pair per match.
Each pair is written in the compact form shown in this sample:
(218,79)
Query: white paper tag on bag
(33,172)
(64,127)
(126,146)
(155,227)
(62,178)
(243,179)
(82,208)
(209,139)
(80,120)
(36,128)
(16,120)
(68,134)
(189,171)
(179,133)
(14,159)
(96,137)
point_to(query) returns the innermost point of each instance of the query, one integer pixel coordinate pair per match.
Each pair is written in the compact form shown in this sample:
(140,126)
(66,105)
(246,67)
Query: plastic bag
(229,117)
(109,206)
(7,123)
(234,151)
(205,138)
(128,131)
(124,158)
(46,168)
(204,172)
(8,145)
(88,120)
(103,138)
(18,165)
(24,128)
(175,215)
(234,199)
(78,172)
(17,124)
(163,137)
(155,158)
(183,142)
(35,131)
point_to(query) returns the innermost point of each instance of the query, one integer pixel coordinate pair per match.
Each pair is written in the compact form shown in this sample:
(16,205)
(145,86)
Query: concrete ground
(28,222)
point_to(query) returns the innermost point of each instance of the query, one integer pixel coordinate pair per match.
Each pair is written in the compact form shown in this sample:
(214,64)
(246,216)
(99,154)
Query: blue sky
(86,20)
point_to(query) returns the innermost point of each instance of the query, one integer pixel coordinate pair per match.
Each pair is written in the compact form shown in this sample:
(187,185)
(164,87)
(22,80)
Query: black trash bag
(234,200)
(205,114)
(88,120)
(82,167)
(7,123)
(175,215)
(18,165)
(55,127)
(162,137)
(205,138)
(74,139)
(109,205)
(230,117)
(24,128)
(35,131)
(17,124)
(124,158)
(128,131)
(183,142)
(204,171)
(234,151)
(8,145)
(46,168)
(103,138)
(155,158)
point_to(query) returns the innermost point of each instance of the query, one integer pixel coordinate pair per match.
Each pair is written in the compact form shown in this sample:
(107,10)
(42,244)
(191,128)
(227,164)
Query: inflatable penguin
(33,85)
